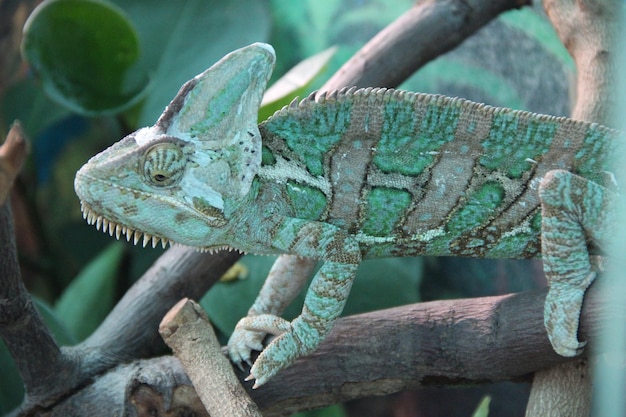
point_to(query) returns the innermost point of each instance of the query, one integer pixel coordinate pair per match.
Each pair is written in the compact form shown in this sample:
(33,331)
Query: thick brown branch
(436,343)
(588,30)
(36,354)
(424,32)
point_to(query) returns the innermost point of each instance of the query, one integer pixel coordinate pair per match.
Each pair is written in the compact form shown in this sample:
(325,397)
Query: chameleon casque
(354,174)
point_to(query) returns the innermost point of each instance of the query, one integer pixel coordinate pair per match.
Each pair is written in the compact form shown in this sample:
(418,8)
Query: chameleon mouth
(135,236)
(117,230)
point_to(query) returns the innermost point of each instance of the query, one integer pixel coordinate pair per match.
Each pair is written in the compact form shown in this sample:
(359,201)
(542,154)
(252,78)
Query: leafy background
(94,71)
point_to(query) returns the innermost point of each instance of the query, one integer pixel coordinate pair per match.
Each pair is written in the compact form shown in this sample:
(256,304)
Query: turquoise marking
(508,149)
(222,103)
(515,244)
(312,135)
(385,208)
(267,157)
(308,202)
(593,155)
(480,206)
(405,148)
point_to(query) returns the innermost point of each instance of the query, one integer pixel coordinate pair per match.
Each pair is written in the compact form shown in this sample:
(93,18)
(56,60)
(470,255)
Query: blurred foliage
(483,408)
(93,76)
(96,70)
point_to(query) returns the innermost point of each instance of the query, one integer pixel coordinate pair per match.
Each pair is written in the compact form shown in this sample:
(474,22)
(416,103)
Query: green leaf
(62,334)
(85,53)
(88,299)
(380,283)
(294,83)
(483,408)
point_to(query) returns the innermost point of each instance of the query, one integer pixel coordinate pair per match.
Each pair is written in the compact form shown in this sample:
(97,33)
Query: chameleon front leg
(324,300)
(575,212)
(284,282)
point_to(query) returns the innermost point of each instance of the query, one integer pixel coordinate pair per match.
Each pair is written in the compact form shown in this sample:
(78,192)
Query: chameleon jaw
(135,236)
(117,230)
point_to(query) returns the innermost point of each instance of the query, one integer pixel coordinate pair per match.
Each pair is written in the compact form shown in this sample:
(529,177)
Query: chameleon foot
(241,344)
(249,335)
(562,314)
(292,341)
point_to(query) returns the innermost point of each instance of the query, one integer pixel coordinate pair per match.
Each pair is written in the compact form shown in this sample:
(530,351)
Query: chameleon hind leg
(575,213)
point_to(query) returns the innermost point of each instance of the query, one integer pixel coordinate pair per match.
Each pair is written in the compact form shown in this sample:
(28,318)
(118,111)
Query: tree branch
(438,343)
(187,331)
(451,342)
(37,356)
(427,30)
(13,152)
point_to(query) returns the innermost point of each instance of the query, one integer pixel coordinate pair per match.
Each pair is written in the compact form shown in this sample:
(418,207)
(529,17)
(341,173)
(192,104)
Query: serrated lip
(135,236)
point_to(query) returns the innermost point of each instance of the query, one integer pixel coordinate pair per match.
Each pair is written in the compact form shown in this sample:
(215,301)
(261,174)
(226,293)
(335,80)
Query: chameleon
(347,175)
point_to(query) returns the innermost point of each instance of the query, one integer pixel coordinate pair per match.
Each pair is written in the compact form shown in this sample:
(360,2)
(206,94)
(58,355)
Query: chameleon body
(354,174)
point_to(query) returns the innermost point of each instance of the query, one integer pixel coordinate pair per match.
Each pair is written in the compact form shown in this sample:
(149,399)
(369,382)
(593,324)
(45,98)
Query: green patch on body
(267,157)
(514,243)
(308,202)
(407,146)
(593,154)
(513,146)
(311,134)
(479,207)
(385,208)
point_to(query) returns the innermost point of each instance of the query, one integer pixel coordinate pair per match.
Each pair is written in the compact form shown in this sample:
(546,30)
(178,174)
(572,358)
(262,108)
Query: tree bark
(429,29)
(438,343)
(187,331)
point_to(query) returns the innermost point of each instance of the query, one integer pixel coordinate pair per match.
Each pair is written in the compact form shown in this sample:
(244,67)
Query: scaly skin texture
(350,175)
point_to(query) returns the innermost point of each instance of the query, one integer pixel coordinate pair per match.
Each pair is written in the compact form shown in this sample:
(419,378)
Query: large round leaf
(85,52)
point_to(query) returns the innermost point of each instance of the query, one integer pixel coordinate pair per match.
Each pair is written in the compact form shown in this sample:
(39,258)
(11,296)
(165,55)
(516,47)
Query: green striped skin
(350,175)
(411,174)
(404,174)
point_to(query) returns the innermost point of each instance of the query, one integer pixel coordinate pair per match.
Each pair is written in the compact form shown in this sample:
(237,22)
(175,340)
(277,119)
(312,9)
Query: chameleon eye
(164,164)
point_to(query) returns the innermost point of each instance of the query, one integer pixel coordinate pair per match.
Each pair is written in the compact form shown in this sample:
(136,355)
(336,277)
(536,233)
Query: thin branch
(186,329)
(427,30)
(13,152)
(130,331)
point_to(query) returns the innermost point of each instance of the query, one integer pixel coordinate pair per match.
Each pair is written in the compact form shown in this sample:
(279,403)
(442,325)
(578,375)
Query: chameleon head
(180,179)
